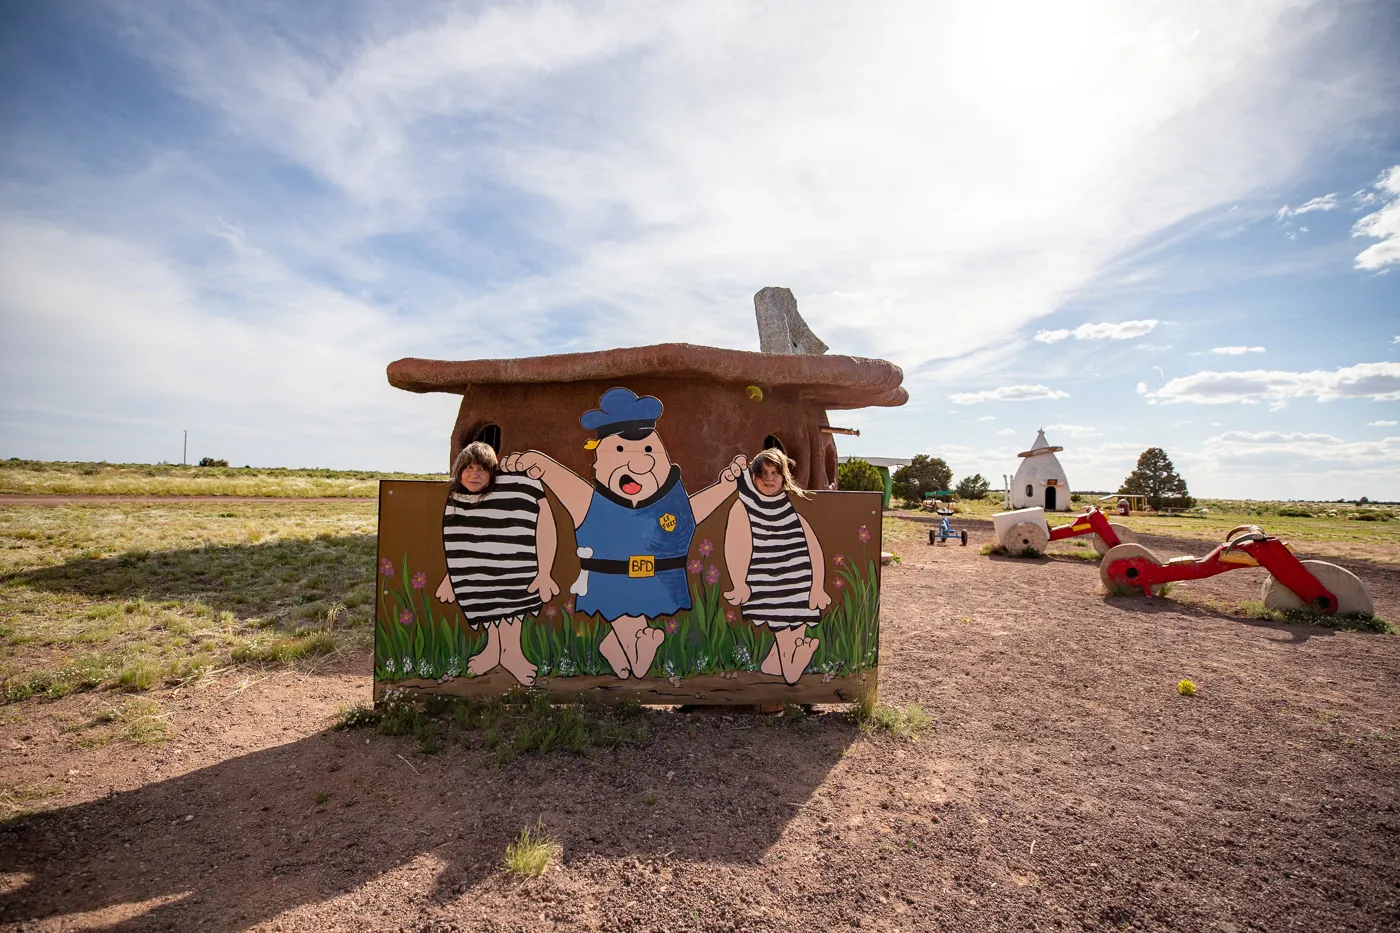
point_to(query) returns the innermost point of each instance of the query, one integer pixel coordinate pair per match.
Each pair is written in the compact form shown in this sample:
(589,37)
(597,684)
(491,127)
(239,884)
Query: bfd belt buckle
(641,565)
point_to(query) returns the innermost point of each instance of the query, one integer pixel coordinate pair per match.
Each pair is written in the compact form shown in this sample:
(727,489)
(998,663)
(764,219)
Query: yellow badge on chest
(668,522)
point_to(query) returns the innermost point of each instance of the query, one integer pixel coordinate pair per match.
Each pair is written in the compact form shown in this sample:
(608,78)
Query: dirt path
(1066,785)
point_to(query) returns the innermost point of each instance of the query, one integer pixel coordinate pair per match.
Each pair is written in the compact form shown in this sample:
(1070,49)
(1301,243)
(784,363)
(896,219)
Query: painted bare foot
(482,663)
(519,667)
(801,657)
(771,665)
(648,643)
(611,650)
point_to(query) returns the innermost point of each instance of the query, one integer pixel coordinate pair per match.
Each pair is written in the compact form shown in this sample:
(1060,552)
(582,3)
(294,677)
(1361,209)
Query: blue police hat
(620,411)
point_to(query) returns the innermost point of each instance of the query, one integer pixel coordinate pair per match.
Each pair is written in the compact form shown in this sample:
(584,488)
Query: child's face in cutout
(475,477)
(770,480)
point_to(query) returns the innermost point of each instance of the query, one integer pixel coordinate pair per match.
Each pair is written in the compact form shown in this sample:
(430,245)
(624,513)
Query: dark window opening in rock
(772,441)
(490,434)
(1030,490)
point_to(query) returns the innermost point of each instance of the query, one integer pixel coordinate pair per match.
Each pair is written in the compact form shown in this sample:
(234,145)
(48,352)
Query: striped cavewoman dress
(490,548)
(780,570)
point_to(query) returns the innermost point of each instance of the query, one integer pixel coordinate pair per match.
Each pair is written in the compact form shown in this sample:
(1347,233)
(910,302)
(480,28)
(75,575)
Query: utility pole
(185,455)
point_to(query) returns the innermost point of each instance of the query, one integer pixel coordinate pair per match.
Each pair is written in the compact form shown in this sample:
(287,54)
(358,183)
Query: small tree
(211,462)
(973,487)
(1157,479)
(924,474)
(859,476)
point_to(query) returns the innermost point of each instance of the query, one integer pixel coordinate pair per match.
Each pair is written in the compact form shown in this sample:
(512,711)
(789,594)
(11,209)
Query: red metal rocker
(1314,585)
(1033,532)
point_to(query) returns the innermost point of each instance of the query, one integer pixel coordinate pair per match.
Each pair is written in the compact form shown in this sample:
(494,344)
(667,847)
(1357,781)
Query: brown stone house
(718,403)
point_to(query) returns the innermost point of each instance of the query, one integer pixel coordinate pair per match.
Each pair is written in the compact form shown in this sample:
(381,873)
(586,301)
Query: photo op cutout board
(709,653)
(638,600)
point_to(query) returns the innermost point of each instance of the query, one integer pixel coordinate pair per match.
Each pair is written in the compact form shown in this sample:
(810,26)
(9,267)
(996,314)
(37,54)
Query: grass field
(134,596)
(34,477)
(131,596)
(1368,532)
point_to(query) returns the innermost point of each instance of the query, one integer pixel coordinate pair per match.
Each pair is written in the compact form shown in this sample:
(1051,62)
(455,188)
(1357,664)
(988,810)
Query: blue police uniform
(658,528)
(637,567)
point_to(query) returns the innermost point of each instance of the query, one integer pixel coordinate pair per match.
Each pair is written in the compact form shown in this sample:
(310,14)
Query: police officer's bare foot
(611,650)
(648,643)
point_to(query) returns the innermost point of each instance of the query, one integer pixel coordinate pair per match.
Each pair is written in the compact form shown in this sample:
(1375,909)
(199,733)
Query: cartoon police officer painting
(633,524)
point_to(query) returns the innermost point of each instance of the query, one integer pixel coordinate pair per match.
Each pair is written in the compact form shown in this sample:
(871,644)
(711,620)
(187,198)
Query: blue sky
(1171,224)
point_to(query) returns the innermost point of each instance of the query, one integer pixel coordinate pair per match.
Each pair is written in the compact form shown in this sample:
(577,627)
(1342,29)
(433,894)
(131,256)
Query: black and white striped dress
(490,548)
(780,570)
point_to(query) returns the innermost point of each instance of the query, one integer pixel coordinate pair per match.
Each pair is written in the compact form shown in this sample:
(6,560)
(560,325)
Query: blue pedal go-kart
(944,531)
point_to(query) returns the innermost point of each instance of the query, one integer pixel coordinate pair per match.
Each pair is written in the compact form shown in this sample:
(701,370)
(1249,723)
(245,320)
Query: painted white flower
(390,666)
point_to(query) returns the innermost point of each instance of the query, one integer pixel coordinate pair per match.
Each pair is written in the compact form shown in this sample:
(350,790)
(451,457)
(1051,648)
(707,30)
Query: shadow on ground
(248,579)
(230,845)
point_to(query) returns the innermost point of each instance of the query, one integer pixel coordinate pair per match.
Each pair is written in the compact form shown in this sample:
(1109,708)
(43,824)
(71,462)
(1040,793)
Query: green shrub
(859,476)
(974,487)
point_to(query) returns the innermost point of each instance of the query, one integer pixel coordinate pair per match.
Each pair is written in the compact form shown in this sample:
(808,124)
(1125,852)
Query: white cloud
(1124,330)
(1383,225)
(1380,424)
(1006,432)
(709,152)
(1379,381)
(1325,203)
(1008,394)
(1072,430)
(1236,351)
(987,418)
(1266,446)
(288,382)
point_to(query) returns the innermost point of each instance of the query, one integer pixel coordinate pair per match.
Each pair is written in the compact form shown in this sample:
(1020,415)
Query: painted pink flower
(569,606)
(420,580)
(863,534)
(839,560)
(839,582)
(729,615)
(551,611)
(386,566)
(405,618)
(672,626)
(706,547)
(694,566)
(712,575)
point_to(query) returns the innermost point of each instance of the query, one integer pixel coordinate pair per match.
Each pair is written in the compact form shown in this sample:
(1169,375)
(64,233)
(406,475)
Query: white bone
(580,587)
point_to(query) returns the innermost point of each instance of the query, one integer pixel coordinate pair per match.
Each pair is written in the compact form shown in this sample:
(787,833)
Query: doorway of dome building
(1049,498)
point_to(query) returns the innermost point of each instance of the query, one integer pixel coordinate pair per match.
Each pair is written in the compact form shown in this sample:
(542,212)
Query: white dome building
(1041,480)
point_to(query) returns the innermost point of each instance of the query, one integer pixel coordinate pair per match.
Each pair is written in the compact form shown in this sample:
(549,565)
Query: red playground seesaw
(1314,585)
(1025,529)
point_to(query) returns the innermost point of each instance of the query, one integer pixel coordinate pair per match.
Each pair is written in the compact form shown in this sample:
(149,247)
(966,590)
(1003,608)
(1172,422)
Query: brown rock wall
(703,426)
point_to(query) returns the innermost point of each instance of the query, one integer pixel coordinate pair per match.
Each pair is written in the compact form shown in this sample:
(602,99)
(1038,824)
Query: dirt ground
(1065,785)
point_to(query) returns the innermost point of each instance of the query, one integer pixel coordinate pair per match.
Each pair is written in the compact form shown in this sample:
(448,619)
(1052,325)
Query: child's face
(632,469)
(475,477)
(770,480)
